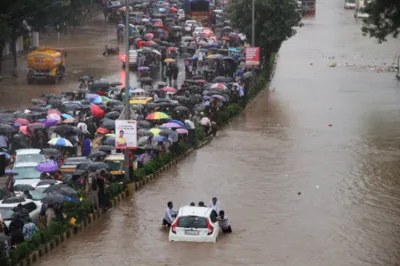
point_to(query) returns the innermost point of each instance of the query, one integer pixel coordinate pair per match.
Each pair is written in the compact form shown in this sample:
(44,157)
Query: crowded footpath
(64,154)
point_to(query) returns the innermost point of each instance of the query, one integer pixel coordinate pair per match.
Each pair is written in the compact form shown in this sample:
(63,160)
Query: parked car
(29,156)
(7,205)
(195,224)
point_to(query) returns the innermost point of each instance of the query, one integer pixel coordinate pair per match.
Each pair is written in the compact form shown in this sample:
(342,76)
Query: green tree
(383,20)
(275,21)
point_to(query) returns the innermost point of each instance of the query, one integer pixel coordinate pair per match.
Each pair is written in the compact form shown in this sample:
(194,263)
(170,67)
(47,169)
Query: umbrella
(49,122)
(169,89)
(219,97)
(53,188)
(94,98)
(97,154)
(46,183)
(21,122)
(144,124)
(47,167)
(109,141)
(67,116)
(220,79)
(54,117)
(102,130)
(97,111)
(169,60)
(24,130)
(8,156)
(108,124)
(107,148)
(181,109)
(112,115)
(155,131)
(178,122)
(157,116)
(166,132)
(218,86)
(35,126)
(159,139)
(139,90)
(182,131)
(6,129)
(50,152)
(54,199)
(23,187)
(113,103)
(149,36)
(145,132)
(65,129)
(137,107)
(93,167)
(60,142)
(68,192)
(70,121)
(171,125)
(152,148)
(38,101)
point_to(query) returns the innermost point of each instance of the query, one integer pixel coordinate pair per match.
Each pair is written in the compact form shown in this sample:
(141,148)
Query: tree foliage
(275,22)
(383,20)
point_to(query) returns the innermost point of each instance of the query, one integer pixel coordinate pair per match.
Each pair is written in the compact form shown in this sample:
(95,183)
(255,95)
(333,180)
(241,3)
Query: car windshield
(115,165)
(30,158)
(6,213)
(26,173)
(37,194)
(192,222)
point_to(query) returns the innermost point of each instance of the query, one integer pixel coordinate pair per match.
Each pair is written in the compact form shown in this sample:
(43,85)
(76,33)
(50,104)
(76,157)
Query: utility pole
(253,40)
(127,108)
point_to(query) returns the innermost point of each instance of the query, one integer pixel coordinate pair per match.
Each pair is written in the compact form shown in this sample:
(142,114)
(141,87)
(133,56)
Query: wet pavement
(330,133)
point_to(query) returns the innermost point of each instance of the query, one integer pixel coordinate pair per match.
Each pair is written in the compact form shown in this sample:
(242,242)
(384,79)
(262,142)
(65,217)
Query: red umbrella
(54,111)
(174,9)
(97,111)
(24,130)
(149,36)
(140,43)
(103,130)
(21,121)
(169,89)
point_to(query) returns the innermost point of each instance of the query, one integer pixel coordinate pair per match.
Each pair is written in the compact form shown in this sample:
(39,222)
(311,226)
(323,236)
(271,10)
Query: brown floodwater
(347,173)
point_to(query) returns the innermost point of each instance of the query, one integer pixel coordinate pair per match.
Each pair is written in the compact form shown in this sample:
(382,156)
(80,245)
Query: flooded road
(283,144)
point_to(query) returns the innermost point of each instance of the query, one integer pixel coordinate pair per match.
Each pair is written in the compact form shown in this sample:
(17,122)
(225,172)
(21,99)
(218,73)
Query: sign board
(252,56)
(126,134)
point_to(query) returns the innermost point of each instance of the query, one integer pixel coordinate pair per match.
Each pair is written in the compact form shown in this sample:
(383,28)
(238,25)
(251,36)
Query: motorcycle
(111,50)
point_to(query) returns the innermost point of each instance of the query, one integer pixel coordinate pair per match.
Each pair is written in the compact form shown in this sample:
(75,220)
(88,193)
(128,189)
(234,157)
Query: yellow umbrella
(169,60)
(110,135)
(155,131)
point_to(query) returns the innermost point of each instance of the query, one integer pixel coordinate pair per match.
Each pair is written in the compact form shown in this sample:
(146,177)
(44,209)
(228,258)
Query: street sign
(126,134)
(252,56)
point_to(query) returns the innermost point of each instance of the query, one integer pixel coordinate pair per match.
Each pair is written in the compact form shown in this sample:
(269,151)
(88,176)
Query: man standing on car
(214,204)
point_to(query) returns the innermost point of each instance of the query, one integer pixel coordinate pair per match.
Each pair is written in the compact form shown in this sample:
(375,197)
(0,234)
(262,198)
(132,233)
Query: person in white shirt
(223,222)
(170,214)
(214,204)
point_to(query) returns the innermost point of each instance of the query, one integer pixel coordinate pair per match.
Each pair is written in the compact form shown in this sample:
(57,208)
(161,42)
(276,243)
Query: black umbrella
(197,77)
(6,129)
(144,132)
(53,188)
(109,141)
(4,193)
(23,115)
(38,109)
(50,152)
(23,187)
(144,124)
(113,103)
(65,129)
(152,148)
(137,107)
(181,109)
(246,75)
(36,126)
(38,101)
(96,154)
(13,199)
(107,148)
(93,167)
(82,91)
(46,182)
(55,103)
(219,79)
(112,115)
(49,95)
(54,199)
(68,192)
(150,105)
(108,124)
(166,132)
(72,106)
(118,108)
(146,79)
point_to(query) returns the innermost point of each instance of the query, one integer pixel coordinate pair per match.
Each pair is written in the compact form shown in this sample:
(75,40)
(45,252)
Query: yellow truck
(46,64)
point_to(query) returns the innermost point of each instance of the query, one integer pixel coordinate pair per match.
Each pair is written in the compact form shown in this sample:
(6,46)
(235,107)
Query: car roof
(194,211)
(27,151)
(25,165)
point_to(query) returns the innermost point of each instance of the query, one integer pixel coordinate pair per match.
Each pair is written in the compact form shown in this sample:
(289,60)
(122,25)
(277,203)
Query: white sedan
(195,224)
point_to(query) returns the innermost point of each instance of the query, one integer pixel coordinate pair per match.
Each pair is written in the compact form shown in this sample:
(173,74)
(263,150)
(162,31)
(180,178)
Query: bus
(198,10)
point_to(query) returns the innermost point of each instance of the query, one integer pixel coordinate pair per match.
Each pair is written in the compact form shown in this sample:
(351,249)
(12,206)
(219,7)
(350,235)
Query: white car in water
(195,224)
(7,205)
(29,156)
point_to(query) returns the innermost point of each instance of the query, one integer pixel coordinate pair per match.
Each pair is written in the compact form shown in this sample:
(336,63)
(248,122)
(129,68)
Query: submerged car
(195,224)
(7,205)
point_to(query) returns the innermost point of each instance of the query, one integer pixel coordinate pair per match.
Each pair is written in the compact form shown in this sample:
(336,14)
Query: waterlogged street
(330,133)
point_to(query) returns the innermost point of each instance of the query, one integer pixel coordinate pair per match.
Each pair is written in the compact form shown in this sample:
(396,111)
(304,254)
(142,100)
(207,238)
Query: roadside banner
(252,56)
(126,134)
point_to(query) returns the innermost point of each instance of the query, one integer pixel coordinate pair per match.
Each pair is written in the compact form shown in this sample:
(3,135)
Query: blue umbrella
(67,116)
(159,139)
(179,123)
(94,98)
(161,9)
(233,50)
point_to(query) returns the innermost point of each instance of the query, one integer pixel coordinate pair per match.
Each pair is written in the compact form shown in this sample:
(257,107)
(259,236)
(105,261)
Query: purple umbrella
(49,122)
(171,125)
(219,97)
(47,167)
(206,97)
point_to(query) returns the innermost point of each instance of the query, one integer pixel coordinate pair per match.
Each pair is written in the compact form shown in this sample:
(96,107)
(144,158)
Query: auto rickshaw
(113,13)
(141,100)
(99,86)
(116,164)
